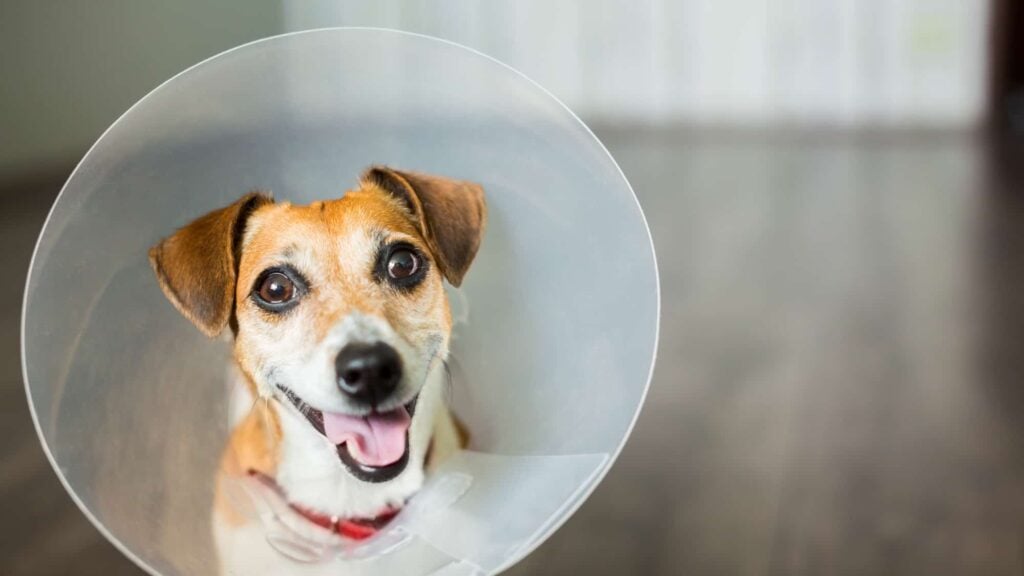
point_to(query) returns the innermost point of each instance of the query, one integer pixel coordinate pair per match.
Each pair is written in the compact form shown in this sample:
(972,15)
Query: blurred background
(835,192)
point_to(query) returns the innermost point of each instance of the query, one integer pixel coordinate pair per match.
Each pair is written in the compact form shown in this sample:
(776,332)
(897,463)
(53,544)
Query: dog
(341,328)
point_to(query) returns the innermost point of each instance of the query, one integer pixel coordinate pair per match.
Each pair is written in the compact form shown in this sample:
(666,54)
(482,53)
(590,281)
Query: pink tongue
(374,440)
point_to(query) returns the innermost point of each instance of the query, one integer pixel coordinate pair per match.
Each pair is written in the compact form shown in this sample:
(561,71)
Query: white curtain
(716,62)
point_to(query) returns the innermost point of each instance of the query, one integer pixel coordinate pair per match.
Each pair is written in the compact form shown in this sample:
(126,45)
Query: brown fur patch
(254,446)
(196,266)
(451,214)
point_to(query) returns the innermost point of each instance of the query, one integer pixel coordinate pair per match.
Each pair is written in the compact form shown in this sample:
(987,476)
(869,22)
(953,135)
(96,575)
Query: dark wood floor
(840,382)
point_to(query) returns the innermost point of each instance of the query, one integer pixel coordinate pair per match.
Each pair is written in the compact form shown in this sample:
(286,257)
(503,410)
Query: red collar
(353,528)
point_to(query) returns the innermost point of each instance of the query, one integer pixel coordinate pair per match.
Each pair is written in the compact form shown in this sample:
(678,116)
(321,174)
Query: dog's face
(338,308)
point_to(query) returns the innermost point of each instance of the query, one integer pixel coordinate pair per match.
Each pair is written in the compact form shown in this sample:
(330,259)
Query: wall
(717,62)
(71,68)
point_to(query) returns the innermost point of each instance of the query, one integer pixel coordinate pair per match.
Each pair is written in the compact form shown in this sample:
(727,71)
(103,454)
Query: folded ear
(451,214)
(197,265)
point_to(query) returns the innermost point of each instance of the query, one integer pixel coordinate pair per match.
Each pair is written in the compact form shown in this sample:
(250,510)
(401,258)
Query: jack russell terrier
(341,330)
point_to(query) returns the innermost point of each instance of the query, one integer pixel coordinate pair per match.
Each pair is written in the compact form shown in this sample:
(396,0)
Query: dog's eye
(279,289)
(403,263)
(401,266)
(276,288)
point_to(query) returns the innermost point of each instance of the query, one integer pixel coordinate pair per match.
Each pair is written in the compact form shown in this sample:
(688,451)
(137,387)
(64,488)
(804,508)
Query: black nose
(368,372)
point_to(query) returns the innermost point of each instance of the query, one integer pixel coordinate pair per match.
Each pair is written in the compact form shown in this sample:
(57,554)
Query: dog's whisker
(264,410)
(448,387)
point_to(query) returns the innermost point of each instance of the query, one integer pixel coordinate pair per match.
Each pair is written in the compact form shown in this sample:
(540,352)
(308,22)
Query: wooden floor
(840,381)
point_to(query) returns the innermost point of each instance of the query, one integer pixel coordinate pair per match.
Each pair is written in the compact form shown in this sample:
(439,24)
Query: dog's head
(337,308)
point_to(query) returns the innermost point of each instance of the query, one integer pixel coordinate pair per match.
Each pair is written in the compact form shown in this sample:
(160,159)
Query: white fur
(313,376)
(311,473)
(240,400)
(309,469)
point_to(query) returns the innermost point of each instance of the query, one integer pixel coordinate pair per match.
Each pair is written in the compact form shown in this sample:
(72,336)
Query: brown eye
(276,288)
(403,263)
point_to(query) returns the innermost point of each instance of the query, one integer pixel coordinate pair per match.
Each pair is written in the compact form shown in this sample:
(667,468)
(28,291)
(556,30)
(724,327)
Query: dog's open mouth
(374,448)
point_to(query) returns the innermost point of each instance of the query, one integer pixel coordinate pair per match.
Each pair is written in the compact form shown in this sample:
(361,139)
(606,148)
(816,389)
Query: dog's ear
(451,214)
(197,265)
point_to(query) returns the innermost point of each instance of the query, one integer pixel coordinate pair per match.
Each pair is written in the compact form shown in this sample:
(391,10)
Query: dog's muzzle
(373,446)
